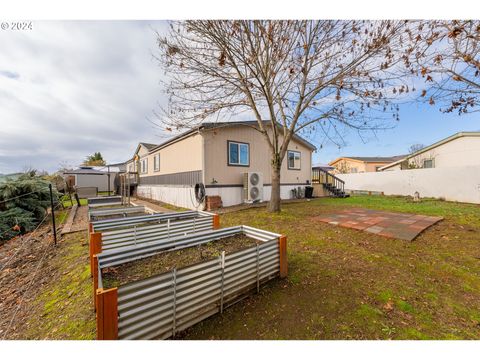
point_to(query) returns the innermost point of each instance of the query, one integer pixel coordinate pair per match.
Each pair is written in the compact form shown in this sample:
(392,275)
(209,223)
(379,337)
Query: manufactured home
(228,159)
(460,149)
(361,164)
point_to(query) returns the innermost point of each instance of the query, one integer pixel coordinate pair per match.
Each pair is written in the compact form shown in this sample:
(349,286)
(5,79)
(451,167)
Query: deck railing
(321,176)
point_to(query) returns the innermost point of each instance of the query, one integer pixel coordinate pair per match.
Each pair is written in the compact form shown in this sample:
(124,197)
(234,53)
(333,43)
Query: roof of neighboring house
(217,125)
(117,164)
(323,166)
(92,170)
(371,159)
(148,145)
(430,147)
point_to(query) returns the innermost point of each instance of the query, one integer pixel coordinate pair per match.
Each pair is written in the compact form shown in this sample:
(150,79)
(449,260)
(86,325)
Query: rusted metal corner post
(107,314)
(282,242)
(95,280)
(216,221)
(95,247)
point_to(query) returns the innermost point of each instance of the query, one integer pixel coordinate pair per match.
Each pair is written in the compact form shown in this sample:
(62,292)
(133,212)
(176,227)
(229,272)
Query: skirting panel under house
(184,196)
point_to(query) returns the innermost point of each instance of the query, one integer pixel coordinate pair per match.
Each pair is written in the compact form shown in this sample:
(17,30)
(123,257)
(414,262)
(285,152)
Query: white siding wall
(453,183)
(234,195)
(182,196)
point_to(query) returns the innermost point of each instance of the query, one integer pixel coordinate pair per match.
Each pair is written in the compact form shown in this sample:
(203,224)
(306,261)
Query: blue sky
(419,123)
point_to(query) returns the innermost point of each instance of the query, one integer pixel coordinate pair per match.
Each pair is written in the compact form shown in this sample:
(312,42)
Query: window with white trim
(144,166)
(156,162)
(294,160)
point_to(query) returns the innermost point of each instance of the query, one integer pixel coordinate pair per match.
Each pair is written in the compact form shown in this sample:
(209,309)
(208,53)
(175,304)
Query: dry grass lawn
(342,283)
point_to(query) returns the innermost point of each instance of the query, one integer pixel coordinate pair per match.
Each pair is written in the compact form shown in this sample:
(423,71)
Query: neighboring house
(139,163)
(93,176)
(216,155)
(460,149)
(349,165)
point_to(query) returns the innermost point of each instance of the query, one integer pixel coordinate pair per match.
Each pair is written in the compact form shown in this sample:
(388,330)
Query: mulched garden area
(163,262)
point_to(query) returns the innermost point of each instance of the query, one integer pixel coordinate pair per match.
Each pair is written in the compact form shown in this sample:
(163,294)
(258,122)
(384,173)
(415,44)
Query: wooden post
(282,242)
(77,199)
(95,247)
(107,314)
(216,221)
(53,214)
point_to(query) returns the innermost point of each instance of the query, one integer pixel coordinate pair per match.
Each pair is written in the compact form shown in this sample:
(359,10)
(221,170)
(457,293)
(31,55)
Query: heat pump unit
(253,187)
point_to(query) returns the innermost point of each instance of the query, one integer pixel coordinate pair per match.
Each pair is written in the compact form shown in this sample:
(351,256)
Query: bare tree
(415,147)
(292,77)
(415,162)
(343,168)
(448,59)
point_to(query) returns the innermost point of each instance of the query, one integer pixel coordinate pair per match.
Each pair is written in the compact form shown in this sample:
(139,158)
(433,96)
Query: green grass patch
(67,203)
(369,312)
(413,334)
(385,296)
(64,308)
(404,306)
(60,217)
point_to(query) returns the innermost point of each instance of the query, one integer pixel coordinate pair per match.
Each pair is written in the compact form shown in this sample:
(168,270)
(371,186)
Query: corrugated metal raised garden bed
(109,235)
(101,201)
(115,212)
(156,289)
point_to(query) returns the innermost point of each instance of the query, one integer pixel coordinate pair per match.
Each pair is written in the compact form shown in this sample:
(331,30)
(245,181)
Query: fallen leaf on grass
(388,306)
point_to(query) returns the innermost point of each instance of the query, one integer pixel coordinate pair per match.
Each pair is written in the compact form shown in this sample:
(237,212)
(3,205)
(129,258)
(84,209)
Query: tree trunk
(274,205)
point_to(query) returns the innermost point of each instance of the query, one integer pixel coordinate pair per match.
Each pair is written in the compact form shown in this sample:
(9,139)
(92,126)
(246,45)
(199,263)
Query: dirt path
(81,219)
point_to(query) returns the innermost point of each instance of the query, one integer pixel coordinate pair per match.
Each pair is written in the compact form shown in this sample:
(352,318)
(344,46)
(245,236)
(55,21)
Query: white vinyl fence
(452,184)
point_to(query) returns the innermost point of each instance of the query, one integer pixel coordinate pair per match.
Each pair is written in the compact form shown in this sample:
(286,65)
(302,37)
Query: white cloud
(68,89)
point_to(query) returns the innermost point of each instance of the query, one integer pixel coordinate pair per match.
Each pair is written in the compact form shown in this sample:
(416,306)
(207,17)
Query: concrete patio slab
(384,223)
